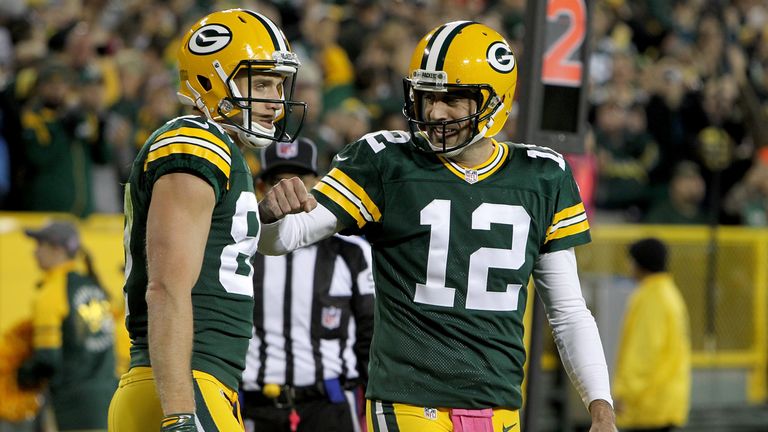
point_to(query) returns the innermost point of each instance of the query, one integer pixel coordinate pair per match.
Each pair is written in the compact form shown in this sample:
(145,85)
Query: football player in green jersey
(191,227)
(458,223)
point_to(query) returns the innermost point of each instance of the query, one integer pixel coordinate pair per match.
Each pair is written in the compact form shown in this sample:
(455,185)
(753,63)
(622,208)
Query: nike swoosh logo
(202,125)
(339,158)
(507,428)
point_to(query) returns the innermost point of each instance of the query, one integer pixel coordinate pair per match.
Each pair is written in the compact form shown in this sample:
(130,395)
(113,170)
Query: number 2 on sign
(558,68)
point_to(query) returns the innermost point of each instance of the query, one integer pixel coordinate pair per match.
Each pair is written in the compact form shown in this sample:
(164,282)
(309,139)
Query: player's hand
(603,419)
(288,196)
(184,422)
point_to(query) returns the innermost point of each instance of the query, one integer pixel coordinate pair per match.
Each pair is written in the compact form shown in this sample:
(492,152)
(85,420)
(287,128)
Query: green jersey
(222,297)
(453,251)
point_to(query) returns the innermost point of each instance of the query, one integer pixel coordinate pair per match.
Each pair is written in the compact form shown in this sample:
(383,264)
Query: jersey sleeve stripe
(350,196)
(357,191)
(341,200)
(197,133)
(567,222)
(191,149)
(568,213)
(568,231)
(190,140)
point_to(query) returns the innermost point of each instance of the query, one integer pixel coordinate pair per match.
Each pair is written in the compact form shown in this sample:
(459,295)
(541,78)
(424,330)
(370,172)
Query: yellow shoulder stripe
(192,149)
(341,200)
(568,212)
(568,231)
(357,191)
(197,133)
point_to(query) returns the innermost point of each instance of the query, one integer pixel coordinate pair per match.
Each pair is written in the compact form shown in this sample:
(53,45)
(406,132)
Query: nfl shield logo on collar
(287,150)
(470,176)
(331,317)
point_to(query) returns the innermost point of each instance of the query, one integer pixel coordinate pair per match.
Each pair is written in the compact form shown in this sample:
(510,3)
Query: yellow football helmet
(461,56)
(232,43)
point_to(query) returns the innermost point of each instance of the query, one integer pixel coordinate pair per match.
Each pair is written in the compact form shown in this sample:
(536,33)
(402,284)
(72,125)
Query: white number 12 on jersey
(434,292)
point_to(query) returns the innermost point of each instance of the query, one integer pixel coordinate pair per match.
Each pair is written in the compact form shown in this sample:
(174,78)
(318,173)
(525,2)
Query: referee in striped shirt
(313,321)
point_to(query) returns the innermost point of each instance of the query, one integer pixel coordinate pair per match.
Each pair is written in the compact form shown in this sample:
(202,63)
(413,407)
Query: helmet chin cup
(264,138)
(254,135)
(253,141)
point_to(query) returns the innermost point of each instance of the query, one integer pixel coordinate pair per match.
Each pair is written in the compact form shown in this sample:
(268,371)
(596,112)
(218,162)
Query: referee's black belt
(289,396)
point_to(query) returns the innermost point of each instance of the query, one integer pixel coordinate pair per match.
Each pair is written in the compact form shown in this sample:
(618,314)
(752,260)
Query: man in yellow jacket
(652,383)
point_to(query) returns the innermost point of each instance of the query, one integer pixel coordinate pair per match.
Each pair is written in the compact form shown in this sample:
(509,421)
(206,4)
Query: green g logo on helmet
(210,39)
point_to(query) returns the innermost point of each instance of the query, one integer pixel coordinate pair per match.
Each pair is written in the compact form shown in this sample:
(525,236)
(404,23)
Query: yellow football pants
(395,417)
(135,406)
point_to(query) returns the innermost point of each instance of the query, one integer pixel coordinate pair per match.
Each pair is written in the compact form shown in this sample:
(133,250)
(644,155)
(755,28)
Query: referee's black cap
(298,156)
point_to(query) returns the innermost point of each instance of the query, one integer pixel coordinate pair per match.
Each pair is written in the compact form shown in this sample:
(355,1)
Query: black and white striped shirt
(313,315)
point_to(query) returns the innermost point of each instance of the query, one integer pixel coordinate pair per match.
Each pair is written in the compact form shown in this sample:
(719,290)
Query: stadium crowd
(678,97)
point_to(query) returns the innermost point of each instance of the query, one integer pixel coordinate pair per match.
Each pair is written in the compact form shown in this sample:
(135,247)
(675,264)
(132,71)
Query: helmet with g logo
(461,56)
(239,43)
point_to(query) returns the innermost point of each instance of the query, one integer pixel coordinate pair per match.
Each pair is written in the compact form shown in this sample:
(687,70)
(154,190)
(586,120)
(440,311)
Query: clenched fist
(288,196)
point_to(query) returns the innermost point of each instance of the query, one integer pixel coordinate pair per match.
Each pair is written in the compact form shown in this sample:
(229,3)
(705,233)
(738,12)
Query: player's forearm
(297,230)
(574,328)
(581,352)
(170,348)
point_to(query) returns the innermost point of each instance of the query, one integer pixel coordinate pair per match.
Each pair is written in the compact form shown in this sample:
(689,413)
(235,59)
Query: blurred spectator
(652,382)
(363,17)
(670,112)
(61,142)
(748,199)
(343,125)
(380,68)
(623,84)
(123,116)
(320,30)
(625,156)
(683,203)
(73,335)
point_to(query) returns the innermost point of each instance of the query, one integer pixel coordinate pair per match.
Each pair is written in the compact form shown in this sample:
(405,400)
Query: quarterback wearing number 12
(458,223)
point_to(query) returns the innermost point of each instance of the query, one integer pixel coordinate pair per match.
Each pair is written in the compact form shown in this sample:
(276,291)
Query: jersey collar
(480,172)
